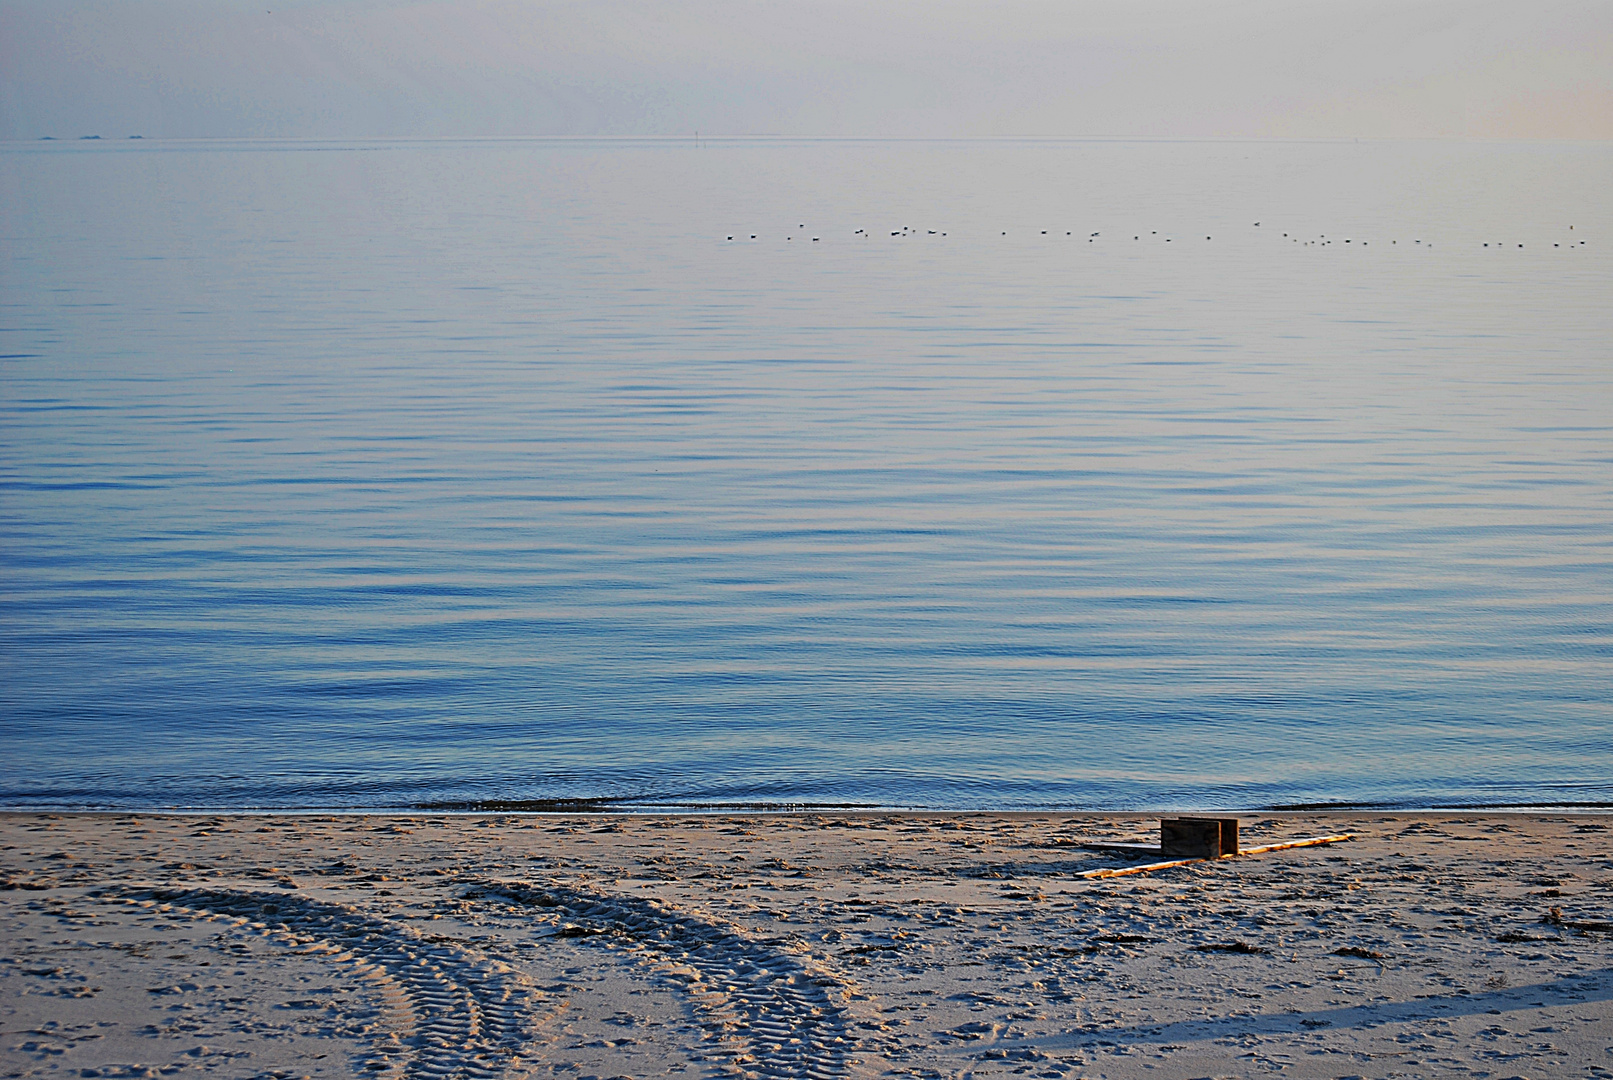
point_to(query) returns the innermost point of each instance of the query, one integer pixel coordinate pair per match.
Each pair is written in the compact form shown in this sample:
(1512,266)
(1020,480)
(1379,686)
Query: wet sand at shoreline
(817,945)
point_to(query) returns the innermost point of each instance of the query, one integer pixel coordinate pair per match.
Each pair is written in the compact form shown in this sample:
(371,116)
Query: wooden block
(1198,838)
(1190,838)
(1229,835)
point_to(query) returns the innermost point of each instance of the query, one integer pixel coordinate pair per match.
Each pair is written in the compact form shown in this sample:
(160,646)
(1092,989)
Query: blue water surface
(988,474)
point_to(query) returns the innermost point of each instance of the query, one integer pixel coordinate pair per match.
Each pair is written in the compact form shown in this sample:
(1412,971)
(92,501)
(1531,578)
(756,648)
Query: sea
(699,473)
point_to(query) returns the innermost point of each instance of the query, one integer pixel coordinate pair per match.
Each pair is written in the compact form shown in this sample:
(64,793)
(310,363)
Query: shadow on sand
(1592,986)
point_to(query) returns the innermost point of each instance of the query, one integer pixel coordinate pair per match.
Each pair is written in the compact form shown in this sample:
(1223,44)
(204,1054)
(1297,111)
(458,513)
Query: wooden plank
(1148,868)
(1145,868)
(1312,841)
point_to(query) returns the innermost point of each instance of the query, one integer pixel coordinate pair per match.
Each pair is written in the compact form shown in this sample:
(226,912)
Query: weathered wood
(1148,868)
(1313,841)
(1195,837)
(1229,836)
(1145,868)
(1190,838)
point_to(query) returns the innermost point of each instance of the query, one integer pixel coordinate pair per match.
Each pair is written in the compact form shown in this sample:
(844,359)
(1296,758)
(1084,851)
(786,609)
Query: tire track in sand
(765,1013)
(453,1012)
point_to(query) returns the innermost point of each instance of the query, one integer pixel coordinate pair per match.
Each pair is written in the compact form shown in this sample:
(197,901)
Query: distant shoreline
(552,808)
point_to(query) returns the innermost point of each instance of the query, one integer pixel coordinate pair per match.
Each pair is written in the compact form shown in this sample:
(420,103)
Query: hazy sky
(356,68)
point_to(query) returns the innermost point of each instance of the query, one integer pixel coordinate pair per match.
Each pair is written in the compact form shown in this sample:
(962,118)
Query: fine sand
(812,945)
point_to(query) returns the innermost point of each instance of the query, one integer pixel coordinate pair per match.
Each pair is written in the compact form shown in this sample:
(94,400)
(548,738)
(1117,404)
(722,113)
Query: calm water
(385,474)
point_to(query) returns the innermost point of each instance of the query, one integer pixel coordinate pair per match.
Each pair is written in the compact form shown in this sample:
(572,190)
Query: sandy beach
(811,945)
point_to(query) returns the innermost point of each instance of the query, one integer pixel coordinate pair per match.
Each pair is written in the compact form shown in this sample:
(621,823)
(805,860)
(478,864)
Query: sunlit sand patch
(112,989)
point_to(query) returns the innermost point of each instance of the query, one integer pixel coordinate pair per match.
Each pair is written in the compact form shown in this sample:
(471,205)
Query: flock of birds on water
(1318,241)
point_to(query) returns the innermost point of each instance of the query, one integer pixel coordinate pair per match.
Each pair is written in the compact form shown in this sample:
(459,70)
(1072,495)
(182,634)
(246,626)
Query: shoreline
(818,943)
(560,808)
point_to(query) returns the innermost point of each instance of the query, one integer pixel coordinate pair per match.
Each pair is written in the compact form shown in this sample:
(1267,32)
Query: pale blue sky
(1180,68)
